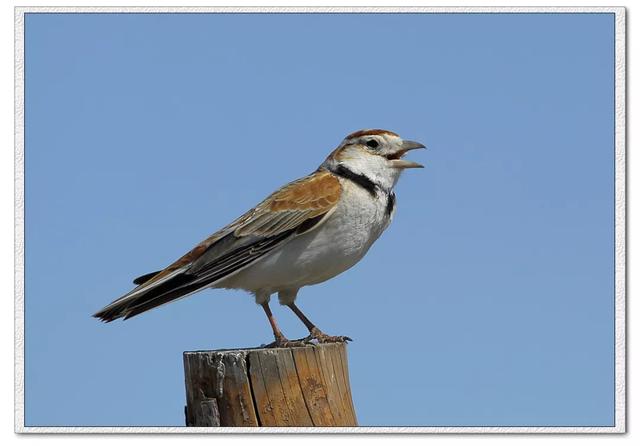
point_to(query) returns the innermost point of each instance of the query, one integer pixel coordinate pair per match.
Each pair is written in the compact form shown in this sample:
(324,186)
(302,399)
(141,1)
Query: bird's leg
(315,332)
(281,340)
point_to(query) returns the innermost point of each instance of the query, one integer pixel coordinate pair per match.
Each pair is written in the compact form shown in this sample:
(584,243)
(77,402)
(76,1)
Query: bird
(305,233)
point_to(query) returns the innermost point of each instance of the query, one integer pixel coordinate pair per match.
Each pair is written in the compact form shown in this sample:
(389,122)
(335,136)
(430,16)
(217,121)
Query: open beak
(396,158)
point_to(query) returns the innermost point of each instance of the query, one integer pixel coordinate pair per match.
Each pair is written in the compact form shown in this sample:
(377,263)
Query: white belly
(322,253)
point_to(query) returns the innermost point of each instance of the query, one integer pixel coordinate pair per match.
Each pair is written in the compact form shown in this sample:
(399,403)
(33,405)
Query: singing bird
(305,233)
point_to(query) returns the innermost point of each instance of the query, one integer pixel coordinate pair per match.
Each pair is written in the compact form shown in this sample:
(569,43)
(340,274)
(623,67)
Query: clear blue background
(489,301)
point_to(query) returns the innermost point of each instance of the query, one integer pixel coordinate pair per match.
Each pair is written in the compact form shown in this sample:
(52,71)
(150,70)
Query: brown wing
(287,208)
(295,208)
(290,206)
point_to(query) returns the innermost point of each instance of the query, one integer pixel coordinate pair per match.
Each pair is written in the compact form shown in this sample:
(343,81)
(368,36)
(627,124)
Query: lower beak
(406,164)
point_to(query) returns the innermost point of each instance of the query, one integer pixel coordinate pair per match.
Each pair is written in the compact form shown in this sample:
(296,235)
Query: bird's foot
(325,339)
(285,343)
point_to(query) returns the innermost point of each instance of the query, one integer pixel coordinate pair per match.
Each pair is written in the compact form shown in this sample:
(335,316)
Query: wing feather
(296,208)
(306,198)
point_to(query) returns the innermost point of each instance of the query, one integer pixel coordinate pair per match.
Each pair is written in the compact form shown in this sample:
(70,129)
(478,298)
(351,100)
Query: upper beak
(411,145)
(406,164)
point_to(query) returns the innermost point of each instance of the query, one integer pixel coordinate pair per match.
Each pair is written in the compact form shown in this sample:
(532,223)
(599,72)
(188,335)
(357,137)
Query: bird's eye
(372,143)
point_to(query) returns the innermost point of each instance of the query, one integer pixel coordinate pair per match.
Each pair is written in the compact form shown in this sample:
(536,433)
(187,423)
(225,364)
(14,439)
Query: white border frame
(620,219)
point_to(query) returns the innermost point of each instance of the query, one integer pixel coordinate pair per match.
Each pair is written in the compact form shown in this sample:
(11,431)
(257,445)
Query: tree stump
(299,386)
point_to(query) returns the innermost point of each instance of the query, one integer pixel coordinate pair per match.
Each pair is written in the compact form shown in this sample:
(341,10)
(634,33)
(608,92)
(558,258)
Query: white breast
(322,253)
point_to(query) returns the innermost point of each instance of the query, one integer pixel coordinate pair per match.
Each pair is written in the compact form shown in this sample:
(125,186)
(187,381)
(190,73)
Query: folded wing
(294,209)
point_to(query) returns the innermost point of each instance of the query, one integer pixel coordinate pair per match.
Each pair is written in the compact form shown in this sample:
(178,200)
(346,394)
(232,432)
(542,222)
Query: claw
(315,335)
(325,339)
(286,343)
(307,340)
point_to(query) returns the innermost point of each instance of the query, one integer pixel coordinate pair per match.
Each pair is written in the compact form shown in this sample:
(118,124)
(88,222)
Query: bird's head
(376,153)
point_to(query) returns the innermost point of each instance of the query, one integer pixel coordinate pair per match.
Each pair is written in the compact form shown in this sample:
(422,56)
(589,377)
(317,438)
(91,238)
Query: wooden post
(299,386)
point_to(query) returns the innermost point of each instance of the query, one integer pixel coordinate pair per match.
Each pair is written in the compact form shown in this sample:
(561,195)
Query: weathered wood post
(299,386)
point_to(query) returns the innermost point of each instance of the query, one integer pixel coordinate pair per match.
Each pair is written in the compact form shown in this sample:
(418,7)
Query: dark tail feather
(141,307)
(182,284)
(142,279)
(174,289)
(168,291)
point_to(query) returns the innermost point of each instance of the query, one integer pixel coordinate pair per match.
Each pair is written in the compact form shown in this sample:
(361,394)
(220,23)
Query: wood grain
(299,386)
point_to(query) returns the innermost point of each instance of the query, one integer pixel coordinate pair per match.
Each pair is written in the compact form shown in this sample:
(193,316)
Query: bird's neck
(370,172)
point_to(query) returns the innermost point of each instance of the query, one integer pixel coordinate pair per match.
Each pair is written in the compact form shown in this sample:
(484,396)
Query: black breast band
(360,179)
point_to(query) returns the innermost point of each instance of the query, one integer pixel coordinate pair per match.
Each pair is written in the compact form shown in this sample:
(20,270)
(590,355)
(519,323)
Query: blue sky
(146,133)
